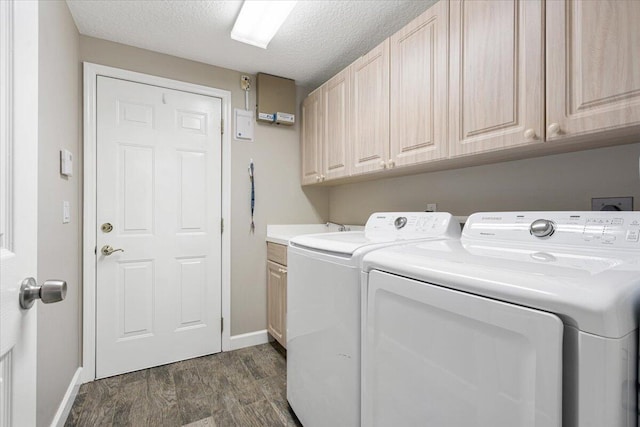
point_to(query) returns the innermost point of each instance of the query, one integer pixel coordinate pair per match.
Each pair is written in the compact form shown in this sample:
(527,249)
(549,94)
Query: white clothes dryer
(529,320)
(323,311)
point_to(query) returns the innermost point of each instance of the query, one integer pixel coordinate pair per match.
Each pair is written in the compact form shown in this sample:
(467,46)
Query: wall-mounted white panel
(136,295)
(191,284)
(192,191)
(135,114)
(192,121)
(137,168)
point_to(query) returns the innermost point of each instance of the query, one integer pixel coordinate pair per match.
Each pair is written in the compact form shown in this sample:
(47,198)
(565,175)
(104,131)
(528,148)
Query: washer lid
(596,291)
(381,228)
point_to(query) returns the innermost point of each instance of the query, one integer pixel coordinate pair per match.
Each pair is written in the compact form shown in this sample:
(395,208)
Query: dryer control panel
(587,229)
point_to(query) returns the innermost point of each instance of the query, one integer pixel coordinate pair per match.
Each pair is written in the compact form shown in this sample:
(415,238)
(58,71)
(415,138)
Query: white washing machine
(323,311)
(530,319)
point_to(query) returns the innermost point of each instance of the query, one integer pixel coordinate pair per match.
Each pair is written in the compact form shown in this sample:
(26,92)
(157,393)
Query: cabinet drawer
(277,253)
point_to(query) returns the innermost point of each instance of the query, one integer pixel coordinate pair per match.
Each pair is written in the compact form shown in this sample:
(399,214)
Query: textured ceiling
(317,40)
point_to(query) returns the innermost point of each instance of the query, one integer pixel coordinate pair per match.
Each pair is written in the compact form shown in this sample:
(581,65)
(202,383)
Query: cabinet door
(336,126)
(419,78)
(312,138)
(593,66)
(277,301)
(496,74)
(370,110)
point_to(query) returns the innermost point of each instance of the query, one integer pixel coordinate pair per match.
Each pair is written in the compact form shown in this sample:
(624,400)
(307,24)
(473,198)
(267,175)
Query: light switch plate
(66,212)
(66,162)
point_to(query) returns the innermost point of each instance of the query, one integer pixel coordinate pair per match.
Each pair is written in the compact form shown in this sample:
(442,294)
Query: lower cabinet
(277,301)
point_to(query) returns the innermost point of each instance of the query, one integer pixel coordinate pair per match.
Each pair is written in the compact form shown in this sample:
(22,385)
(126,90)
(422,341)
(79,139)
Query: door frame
(91,73)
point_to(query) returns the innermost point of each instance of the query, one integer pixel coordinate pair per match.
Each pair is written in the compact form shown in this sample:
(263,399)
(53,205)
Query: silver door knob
(542,228)
(50,291)
(108,250)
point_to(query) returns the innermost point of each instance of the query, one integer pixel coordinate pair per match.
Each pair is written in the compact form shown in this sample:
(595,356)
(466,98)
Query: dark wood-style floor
(245,387)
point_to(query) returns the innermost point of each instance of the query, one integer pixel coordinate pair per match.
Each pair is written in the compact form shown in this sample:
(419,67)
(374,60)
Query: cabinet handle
(553,129)
(391,163)
(383,164)
(317,178)
(529,134)
(321,177)
(282,271)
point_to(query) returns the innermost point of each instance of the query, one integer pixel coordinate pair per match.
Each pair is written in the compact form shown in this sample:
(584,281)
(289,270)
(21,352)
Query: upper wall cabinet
(311,153)
(370,110)
(593,66)
(335,144)
(419,88)
(496,75)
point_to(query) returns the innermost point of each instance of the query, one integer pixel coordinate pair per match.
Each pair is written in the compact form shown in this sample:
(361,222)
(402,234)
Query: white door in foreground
(18,208)
(158,219)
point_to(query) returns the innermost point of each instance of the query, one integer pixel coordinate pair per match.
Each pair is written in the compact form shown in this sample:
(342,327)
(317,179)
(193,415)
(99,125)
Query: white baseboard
(250,339)
(68,399)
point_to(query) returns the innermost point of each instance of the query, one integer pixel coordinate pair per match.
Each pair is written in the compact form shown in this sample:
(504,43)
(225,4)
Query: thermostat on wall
(244,125)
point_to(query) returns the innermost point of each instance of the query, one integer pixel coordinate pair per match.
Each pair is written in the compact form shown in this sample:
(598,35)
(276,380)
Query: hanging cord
(252,227)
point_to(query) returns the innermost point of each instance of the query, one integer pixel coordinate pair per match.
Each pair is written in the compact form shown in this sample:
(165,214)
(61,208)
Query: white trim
(250,339)
(67,401)
(6,125)
(91,72)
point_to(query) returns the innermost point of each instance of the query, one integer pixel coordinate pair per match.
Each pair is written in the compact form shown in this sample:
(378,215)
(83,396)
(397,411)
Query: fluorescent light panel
(259,21)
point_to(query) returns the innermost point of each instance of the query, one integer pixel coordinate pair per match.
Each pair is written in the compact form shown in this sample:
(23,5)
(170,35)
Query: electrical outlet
(245,82)
(612,204)
(431,207)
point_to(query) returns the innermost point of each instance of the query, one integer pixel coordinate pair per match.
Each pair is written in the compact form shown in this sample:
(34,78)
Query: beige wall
(558,182)
(59,254)
(279,197)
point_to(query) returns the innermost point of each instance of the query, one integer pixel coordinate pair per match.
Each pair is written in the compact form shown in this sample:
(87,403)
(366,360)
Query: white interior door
(18,208)
(159,188)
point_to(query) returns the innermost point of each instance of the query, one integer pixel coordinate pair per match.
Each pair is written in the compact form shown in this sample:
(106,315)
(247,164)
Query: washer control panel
(411,223)
(614,228)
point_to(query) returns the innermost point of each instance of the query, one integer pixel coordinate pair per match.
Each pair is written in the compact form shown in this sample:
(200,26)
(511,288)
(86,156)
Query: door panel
(18,209)
(159,185)
(370,110)
(276,301)
(419,67)
(436,356)
(496,75)
(336,134)
(593,66)
(311,152)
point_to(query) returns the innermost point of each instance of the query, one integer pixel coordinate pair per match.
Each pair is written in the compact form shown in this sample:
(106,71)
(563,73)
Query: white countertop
(282,233)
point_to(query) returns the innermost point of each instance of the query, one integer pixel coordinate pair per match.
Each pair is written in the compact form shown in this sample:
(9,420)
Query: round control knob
(542,228)
(553,129)
(400,222)
(529,134)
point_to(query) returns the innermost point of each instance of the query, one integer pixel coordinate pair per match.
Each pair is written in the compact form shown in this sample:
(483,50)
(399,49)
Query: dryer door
(440,357)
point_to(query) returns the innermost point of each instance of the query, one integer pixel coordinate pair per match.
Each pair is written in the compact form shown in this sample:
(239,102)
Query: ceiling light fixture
(259,21)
